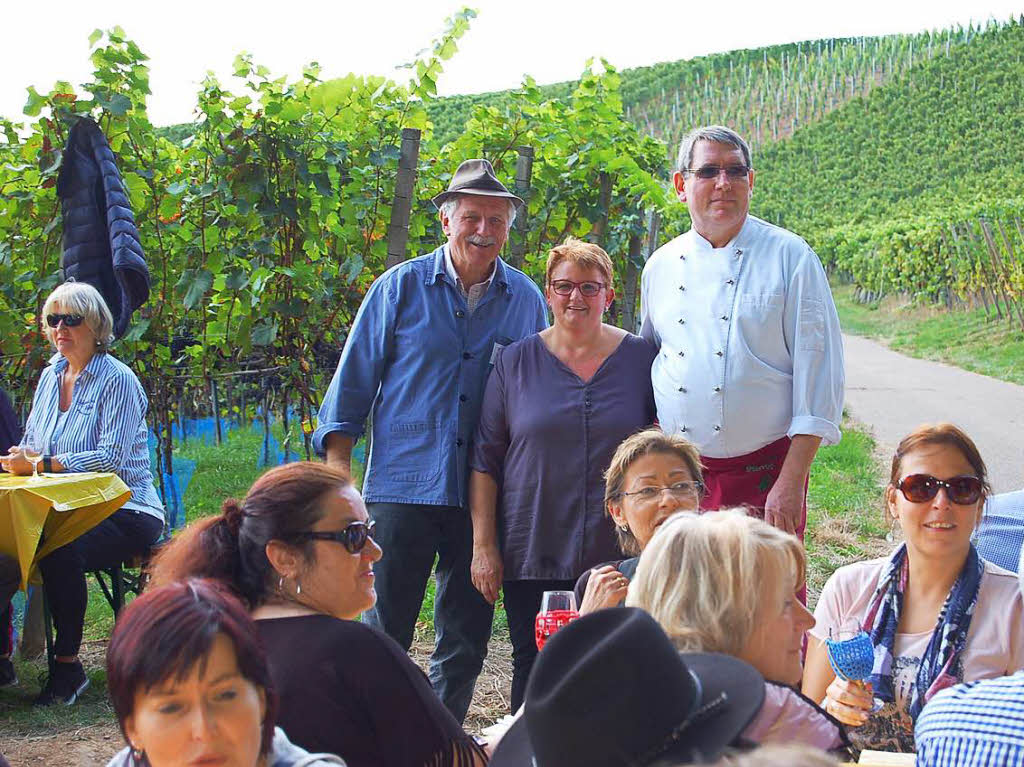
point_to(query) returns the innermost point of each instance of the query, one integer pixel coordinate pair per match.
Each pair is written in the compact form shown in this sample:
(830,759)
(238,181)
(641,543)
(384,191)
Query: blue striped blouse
(103,430)
(980,724)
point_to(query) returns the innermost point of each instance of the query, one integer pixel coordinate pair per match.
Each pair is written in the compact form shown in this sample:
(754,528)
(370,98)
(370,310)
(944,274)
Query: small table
(56,508)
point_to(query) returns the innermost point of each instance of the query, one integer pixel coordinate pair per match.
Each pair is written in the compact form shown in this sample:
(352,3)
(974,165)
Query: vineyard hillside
(945,135)
(898,157)
(765,93)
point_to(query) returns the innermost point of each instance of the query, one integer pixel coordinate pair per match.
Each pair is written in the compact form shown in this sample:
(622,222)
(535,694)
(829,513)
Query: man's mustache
(481,242)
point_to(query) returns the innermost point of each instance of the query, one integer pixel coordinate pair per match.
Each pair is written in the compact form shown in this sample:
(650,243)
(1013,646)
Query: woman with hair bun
(299,550)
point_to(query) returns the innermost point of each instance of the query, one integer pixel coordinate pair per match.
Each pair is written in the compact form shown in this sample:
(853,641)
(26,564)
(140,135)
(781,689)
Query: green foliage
(764,94)
(265,220)
(916,187)
(577,139)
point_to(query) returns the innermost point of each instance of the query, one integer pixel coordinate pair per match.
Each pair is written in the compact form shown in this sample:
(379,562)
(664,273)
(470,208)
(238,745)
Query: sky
(548,39)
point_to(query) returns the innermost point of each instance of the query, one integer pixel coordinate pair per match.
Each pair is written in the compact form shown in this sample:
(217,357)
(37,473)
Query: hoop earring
(298,588)
(624,528)
(280,585)
(137,755)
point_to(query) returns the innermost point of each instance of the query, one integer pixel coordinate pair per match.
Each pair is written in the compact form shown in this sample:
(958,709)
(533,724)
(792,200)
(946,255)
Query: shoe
(66,682)
(7,675)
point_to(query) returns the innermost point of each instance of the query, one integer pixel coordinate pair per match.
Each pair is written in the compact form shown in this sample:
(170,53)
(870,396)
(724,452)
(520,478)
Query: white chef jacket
(750,348)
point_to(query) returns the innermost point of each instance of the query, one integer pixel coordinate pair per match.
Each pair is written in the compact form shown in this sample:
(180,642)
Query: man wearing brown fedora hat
(416,359)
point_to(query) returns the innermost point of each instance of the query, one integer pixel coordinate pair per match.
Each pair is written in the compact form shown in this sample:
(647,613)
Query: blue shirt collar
(440,271)
(60,363)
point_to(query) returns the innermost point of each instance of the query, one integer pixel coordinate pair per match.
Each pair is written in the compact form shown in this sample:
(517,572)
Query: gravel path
(892,394)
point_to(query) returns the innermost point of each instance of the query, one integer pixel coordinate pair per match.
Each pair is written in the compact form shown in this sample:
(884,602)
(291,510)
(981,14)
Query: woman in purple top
(556,406)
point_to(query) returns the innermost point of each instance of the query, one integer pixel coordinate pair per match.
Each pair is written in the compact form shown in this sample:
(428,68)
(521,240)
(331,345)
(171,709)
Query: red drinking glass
(557,609)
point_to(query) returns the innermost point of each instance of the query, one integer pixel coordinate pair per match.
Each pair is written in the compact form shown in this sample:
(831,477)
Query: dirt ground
(94,745)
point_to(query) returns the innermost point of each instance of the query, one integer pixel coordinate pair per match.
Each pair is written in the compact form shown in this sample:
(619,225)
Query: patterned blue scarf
(942,664)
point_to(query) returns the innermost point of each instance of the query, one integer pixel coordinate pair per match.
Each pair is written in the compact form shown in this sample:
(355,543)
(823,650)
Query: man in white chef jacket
(751,360)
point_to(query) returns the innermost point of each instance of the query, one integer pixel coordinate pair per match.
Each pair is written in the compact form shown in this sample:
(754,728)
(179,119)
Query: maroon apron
(746,480)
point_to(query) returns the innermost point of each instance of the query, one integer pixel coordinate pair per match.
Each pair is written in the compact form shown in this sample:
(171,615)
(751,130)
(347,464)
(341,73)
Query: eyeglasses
(732,172)
(70,320)
(918,488)
(353,537)
(566,287)
(682,490)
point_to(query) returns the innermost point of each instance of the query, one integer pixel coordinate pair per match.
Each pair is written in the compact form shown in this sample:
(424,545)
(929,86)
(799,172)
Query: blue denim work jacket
(417,361)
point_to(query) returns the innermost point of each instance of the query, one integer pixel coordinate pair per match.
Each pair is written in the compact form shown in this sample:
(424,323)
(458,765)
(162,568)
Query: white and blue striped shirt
(1000,535)
(103,430)
(980,724)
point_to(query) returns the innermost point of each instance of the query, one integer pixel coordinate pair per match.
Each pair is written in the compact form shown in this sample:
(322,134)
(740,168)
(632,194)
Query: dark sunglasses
(353,537)
(70,320)
(565,287)
(733,172)
(918,488)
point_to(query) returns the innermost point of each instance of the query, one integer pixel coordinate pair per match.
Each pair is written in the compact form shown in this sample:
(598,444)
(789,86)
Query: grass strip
(967,339)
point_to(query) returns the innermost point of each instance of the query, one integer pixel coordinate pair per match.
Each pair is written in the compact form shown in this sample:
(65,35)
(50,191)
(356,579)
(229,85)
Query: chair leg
(117,586)
(48,631)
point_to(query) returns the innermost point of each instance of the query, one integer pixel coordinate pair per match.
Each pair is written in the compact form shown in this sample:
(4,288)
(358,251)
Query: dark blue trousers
(120,536)
(411,537)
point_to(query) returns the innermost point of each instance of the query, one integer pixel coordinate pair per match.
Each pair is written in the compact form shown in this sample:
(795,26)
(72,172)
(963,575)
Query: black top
(10,428)
(625,566)
(348,689)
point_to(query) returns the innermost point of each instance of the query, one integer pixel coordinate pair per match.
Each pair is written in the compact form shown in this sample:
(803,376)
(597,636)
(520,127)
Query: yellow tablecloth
(57,508)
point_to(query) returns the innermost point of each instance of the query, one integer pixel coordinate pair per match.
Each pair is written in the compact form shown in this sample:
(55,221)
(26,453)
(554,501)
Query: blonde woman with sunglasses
(937,614)
(88,414)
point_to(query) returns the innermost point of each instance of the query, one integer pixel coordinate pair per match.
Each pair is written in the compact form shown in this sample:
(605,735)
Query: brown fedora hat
(476,177)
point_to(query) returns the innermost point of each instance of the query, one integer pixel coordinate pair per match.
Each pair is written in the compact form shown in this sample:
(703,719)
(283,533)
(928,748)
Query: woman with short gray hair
(88,414)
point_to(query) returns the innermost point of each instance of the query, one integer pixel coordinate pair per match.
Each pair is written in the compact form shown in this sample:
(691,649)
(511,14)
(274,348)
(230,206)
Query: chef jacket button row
(718,428)
(738,252)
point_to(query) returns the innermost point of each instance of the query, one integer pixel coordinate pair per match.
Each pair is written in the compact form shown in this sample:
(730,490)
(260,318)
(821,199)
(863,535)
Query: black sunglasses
(353,537)
(733,172)
(70,320)
(918,488)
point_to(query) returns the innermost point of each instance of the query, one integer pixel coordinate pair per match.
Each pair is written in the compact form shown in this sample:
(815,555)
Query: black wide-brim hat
(610,690)
(476,177)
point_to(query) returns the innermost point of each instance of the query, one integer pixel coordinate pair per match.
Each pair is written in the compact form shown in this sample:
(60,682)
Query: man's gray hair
(717,134)
(449,206)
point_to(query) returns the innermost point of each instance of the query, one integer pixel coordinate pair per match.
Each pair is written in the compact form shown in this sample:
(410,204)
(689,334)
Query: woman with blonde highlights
(651,476)
(737,595)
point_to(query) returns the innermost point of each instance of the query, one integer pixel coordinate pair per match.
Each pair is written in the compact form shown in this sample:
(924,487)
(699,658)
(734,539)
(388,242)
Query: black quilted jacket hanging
(101,241)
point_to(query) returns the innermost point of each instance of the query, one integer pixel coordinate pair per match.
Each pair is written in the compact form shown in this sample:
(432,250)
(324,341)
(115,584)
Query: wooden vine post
(524,175)
(401,206)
